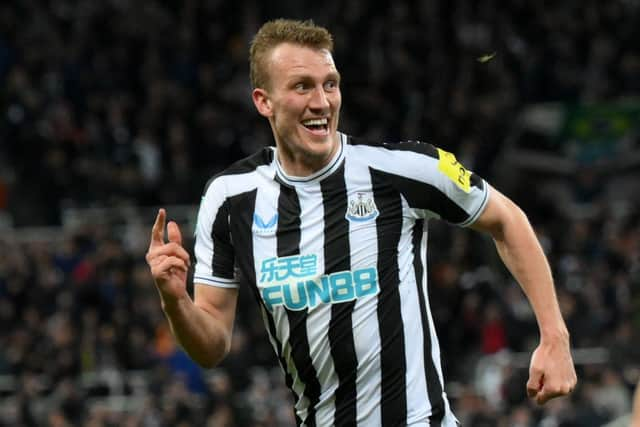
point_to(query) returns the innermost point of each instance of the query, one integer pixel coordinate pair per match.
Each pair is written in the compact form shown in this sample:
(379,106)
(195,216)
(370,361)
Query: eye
(331,85)
(300,87)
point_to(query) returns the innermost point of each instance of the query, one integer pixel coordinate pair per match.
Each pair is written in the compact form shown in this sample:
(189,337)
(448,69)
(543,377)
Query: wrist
(554,335)
(171,303)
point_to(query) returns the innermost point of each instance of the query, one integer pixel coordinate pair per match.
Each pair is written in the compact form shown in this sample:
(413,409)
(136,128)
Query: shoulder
(418,147)
(247,165)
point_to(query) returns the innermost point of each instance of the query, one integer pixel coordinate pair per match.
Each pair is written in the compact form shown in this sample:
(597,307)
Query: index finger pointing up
(157,232)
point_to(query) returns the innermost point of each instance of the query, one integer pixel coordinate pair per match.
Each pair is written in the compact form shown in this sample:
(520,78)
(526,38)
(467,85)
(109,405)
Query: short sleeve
(433,182)
(215,259)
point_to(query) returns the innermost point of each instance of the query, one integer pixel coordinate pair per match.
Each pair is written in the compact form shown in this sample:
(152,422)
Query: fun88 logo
(293,282)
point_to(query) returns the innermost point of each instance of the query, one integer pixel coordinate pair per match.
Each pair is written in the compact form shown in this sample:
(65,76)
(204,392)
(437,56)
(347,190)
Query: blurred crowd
(114,104)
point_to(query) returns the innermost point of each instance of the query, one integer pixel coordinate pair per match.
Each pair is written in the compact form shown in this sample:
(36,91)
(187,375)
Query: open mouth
(318,126)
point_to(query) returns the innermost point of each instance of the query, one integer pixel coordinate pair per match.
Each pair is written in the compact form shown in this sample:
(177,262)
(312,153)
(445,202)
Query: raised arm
(551,372)
(203,325)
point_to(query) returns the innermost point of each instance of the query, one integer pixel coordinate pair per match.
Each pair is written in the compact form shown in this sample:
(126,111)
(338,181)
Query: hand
(169,262)
(551,373)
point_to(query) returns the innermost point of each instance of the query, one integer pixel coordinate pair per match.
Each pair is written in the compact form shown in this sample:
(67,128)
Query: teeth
(315,122)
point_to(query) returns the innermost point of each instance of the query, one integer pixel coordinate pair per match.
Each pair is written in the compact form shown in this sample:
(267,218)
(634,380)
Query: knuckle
(554,389)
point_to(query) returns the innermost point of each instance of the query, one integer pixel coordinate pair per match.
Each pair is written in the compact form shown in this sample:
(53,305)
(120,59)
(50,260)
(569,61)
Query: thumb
(543,396)
(173,232)
(535,383)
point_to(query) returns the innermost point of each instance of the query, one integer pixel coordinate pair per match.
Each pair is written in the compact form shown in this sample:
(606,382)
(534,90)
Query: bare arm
(635,414)
(551,372)
(203,326)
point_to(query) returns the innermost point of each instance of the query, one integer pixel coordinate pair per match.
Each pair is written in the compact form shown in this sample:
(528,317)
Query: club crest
(362,208)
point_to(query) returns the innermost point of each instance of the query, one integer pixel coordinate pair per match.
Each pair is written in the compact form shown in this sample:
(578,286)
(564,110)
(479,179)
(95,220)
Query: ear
(262,102)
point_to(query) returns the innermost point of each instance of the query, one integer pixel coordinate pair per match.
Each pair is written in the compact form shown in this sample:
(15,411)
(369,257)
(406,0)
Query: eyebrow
(334,75)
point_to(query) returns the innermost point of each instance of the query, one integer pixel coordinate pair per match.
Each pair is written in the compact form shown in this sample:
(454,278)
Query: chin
(320,145)
(312,146)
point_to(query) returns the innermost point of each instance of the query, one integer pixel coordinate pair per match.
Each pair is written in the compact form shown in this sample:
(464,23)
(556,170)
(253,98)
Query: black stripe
(288,234)
(337,258)
(413,146)
(242,207)
(392,339)
(421,195)
(476,181)
(223,255)
(434,388)
(288,237)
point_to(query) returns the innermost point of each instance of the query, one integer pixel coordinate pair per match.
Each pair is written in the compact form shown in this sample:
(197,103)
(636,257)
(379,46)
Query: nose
(319,100)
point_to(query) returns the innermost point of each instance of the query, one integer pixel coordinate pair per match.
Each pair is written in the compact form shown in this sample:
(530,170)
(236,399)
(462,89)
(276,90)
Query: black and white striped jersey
(336,261)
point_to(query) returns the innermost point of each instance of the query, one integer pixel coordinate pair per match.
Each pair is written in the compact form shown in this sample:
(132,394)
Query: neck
(300,164)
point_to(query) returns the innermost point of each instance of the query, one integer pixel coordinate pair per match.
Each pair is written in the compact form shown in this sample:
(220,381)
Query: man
(329,233)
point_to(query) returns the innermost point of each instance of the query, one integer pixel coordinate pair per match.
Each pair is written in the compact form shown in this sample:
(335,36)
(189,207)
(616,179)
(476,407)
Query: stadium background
(110,109)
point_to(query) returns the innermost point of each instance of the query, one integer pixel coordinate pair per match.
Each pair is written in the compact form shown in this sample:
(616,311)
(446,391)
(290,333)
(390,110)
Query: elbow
(501,218)
(208,363)
(514,221)
(211,359)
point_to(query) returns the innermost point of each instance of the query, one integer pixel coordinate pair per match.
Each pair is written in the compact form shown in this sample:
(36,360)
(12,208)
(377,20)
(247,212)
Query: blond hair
(276,32)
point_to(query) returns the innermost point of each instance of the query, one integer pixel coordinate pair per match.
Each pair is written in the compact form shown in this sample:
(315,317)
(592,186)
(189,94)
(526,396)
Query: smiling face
(302,102)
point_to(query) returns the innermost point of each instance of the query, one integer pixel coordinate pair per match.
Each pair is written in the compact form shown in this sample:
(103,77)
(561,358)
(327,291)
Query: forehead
(290,59)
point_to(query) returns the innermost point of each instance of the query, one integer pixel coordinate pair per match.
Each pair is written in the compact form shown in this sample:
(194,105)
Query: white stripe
(312,240)
(418,404)
(363,241)
(480,208)
(216,281)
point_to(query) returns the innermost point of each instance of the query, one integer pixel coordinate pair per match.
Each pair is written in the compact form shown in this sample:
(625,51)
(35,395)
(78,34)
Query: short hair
(276,32)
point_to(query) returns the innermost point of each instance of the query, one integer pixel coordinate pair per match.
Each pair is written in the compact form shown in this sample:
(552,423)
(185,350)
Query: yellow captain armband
(449,165)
